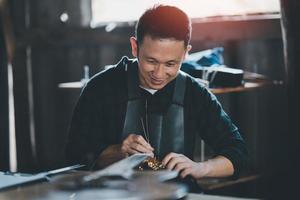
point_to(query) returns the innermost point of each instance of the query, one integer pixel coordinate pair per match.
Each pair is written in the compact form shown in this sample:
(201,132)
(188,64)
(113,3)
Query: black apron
(166,130)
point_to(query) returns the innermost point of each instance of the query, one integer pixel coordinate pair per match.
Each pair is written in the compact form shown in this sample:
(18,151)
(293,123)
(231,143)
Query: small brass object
(152,164)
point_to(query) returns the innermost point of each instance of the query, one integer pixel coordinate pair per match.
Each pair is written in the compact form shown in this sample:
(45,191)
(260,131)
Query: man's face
(159,60)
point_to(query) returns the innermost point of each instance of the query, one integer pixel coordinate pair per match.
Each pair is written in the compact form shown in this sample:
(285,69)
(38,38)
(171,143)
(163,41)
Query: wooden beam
(237,28)
(234,28)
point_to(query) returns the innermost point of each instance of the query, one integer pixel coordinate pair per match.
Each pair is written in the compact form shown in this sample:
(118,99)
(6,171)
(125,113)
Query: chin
(157,87)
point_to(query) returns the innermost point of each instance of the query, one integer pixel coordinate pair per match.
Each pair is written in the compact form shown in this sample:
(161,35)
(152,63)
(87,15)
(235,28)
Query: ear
(134,46)
(188,48)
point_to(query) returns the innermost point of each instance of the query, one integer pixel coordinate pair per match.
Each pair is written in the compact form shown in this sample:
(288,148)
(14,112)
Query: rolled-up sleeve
(222,135)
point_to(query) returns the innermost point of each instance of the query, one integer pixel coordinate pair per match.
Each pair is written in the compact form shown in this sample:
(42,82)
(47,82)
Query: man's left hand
(185,166)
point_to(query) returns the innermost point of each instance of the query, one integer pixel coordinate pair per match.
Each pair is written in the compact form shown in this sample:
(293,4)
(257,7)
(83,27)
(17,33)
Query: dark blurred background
(50,42)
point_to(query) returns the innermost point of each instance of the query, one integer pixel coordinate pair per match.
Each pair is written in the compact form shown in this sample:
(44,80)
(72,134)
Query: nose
(159,71)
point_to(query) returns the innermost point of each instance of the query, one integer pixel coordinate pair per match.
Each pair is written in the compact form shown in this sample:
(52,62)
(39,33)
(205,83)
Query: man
(147,105)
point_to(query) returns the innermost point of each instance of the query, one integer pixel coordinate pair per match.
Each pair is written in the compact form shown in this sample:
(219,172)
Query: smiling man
(159,60)
(147,105)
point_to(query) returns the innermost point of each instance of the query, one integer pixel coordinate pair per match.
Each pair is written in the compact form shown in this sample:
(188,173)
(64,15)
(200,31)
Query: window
(104,11)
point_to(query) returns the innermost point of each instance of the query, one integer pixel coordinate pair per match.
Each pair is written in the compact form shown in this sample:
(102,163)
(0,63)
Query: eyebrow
(169,61)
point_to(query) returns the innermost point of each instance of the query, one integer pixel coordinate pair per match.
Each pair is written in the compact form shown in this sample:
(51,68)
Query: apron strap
(179,90)
(133,80)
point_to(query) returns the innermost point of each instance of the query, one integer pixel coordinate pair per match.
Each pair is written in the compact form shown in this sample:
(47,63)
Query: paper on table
(10,180)
(15,179)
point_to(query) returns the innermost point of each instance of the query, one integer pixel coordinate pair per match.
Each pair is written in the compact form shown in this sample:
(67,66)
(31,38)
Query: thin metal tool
(144,130)
(146,116)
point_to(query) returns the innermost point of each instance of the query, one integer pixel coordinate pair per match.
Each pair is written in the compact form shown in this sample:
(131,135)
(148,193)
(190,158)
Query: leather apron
(165,130)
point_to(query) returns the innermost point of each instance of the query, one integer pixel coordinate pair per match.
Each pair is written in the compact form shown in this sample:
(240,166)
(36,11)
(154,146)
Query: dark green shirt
(99,116)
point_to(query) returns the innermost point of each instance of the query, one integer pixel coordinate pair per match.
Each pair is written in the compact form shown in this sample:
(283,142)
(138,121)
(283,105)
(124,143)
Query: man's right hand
(136,144)
(131,145)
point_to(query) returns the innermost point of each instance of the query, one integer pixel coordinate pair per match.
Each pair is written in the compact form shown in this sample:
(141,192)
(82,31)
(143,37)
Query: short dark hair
(163,21)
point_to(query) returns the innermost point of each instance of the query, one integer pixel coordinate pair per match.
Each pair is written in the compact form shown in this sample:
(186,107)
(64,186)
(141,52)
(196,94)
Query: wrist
(110,155)
(206,168)
(117,148)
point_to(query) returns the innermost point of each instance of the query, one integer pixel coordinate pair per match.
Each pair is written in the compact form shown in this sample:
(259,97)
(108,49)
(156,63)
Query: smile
(156,81)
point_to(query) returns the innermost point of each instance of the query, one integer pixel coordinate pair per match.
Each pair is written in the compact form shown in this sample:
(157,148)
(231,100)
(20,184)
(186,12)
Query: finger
(128,140)
(181,166)
(132,140)
(151,154)
(141,140)
(168,157)
(132,151)
(140,148)
(127,150)
(175,160)
(186,172)
(172,163)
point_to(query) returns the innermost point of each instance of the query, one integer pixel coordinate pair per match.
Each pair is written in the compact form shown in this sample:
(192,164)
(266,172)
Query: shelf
(245,87)
(71,85)
(218,183)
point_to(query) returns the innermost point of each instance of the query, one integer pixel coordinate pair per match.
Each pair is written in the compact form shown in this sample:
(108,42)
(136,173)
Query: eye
(152,62)
(170,64)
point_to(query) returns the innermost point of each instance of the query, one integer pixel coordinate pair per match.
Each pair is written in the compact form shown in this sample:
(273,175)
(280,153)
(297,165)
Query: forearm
(219,166)
(110,155)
